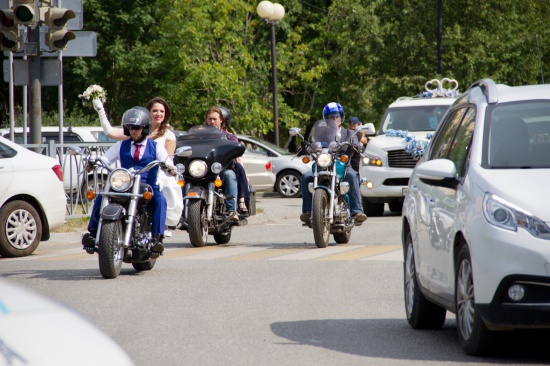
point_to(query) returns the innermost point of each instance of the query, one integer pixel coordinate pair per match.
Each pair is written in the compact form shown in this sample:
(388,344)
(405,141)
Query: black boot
(156,244)
(88,240)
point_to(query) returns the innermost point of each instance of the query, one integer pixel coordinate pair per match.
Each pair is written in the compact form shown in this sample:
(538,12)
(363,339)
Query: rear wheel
(20,229)
(319,218)
(111,249)
(372,209)
(144,266)
(421,313)
(223,238)
(197,227)
(342,238)
(289,184)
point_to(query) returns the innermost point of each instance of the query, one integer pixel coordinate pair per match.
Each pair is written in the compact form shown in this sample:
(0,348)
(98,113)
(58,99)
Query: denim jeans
(354,195)
(230,188)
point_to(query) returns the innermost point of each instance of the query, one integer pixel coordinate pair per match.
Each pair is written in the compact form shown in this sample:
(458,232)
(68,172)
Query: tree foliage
(362,54)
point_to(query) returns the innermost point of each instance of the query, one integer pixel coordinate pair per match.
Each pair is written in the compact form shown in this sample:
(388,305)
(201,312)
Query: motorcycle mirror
(368,129)
(74,150)
(184,151)
(294,131)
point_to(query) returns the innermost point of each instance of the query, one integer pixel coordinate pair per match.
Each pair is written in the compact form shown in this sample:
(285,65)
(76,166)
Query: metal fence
(76,179)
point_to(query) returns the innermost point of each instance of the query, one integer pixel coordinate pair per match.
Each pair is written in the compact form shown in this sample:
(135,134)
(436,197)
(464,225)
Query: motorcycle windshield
(209,144)
(325,132)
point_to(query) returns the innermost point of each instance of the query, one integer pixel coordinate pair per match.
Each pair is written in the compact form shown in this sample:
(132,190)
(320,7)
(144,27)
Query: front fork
(330,191)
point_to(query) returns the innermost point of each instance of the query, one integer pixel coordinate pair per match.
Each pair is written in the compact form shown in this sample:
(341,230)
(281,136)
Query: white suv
(390,155)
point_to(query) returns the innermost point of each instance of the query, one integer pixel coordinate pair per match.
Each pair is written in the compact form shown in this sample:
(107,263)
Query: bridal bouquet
(93,92)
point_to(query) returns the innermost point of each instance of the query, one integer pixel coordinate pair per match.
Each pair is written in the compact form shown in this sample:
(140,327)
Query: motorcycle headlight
(198,168)
(120,180)
(216,168)
(508,216)
(324,160)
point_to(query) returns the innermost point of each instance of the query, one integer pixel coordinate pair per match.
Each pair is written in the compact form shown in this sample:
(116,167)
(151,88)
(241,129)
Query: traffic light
(58,36)
(24,12)
(9,31)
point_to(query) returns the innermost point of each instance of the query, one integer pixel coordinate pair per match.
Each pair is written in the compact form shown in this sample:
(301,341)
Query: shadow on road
(394,339)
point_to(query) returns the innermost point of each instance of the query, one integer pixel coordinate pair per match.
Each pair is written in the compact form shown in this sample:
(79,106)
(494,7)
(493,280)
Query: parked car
(286,166)
(35,330)
(32,199)
(476,234)
(387,164)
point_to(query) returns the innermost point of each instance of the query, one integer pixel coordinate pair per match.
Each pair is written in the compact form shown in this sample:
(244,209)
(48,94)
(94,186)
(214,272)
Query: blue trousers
(354,195)
(157,205)
(230,188)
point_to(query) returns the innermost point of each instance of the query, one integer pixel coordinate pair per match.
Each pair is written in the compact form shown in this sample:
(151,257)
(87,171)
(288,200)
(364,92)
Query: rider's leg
(230,189)
(354,195)
(307,178)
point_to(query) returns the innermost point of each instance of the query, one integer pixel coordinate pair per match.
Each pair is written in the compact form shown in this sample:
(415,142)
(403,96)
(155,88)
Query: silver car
(287,167)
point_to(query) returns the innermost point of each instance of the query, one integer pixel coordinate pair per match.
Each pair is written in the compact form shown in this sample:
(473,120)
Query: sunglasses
(134,127)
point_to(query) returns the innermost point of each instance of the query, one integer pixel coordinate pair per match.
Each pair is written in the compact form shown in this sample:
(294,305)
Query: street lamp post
(272,14)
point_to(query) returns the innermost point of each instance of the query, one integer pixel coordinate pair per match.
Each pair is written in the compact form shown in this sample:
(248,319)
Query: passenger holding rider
(136,152)
(235,181)
(334,111)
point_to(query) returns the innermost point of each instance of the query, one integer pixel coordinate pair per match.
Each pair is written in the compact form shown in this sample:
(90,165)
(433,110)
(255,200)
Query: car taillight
(58,171)
(268,166)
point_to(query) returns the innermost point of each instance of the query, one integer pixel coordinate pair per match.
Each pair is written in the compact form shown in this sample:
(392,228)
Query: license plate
(405,191)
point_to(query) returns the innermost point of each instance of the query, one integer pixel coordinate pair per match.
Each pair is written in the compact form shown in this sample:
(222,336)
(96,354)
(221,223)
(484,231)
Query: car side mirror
(367,129)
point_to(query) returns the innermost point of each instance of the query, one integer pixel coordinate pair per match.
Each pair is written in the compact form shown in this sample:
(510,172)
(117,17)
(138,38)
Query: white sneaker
(167,234)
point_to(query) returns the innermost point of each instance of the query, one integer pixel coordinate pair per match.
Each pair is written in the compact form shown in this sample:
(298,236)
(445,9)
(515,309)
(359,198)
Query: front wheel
(421,313)
(111,249)
(319,218)
(197,227)
(20,229)
(289,184)
(475,338)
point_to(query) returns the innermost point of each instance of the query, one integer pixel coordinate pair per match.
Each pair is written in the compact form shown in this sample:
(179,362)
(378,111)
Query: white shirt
(113,154)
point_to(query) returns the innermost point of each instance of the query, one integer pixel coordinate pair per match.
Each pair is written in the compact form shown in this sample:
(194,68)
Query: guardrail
(76,179)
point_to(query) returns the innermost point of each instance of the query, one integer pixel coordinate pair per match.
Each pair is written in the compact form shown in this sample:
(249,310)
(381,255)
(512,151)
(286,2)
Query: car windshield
(270,146)
(425,118)
(518,135)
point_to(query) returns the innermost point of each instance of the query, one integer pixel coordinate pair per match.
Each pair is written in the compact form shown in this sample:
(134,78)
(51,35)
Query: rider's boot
(88,242)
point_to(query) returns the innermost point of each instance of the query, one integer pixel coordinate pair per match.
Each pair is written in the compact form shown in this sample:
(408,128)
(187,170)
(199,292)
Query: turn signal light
(181,183)
(305,159)
(148,195)
(90,195)
(344,158)
(218,183)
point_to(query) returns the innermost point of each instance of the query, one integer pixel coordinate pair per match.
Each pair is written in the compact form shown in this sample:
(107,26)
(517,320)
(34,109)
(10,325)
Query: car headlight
(120,180)
(505,215)
(372,160)
(198,168)
(324,160)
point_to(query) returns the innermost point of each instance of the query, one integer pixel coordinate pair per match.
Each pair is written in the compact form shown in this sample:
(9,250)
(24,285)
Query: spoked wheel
(197,227)
(475,338)
(111,249)
(421,313)
(319,218)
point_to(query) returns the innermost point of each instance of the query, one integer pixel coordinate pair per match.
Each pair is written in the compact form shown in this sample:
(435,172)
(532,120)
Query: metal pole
(439,35)
(274,81)
(12,118)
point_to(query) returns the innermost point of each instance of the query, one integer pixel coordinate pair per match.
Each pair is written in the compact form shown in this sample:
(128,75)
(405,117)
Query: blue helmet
(333,110)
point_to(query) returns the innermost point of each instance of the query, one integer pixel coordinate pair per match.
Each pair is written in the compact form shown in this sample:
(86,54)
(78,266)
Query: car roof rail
(489,89)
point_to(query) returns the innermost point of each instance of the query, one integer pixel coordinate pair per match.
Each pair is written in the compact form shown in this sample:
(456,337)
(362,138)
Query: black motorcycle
(124,232)
(205,210)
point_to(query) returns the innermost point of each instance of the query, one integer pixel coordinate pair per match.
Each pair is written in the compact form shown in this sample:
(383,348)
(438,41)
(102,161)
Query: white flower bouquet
(93,92)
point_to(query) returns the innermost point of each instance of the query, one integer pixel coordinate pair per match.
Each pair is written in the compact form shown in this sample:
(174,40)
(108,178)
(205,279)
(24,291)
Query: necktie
(136,153)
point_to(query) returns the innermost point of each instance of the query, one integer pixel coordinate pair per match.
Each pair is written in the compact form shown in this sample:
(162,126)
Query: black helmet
(226,116)
(136,116)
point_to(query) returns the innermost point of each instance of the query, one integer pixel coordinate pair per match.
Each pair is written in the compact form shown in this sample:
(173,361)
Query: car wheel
(372,209)
(20,229)
(289,184)
(396,206)
(421,313)
(475,338)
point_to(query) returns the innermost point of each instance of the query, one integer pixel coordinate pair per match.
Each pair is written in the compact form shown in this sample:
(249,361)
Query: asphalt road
(269,297)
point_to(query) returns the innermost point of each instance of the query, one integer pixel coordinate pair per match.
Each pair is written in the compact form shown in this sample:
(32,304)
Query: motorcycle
(330,210)
(124,231)
(205,210)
